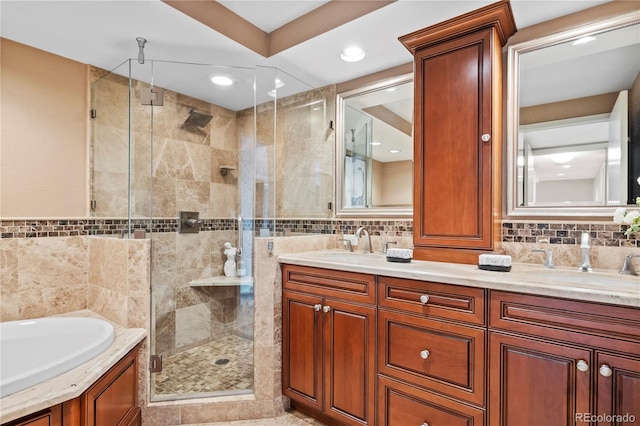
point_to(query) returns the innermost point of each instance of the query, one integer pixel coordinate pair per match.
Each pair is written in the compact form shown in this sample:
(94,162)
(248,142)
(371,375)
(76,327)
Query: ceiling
(103,33)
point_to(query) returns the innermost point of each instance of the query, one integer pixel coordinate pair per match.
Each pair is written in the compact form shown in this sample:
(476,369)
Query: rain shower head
(197,119)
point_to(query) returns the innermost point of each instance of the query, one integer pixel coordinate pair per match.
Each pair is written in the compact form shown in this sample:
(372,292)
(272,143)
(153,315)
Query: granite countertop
(74,382)
(604,286)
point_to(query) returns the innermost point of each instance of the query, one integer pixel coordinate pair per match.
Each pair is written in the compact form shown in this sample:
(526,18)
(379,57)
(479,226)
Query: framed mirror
(374,152)
(573,100)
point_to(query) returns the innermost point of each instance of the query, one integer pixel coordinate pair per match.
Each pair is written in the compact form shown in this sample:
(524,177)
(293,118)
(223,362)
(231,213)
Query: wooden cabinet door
(48,417)
(349,362)
(617,390)
(302,348)
(400,404)
(453,165)
(113,399)
(533,382)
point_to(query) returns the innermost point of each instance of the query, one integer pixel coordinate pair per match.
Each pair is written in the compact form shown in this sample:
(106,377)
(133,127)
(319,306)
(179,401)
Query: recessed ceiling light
(272,93)
(566,166)
(562,158)
(376,143)
(352,54)
(560,174)
(392,89)
(221,80)
(279,83)
(583,40)
(394,151)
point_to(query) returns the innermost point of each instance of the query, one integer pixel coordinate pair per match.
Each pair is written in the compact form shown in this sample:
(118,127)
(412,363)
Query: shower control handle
(192,223)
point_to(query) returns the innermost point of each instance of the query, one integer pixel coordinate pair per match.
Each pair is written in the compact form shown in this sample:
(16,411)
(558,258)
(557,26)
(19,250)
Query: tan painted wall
(43,133)
(397,189)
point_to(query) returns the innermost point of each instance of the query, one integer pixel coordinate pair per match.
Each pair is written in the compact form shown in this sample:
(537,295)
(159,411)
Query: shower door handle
(240,239)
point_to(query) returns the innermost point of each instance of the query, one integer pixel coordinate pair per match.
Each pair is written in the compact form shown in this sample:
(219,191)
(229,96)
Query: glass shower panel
(202,320)
(358,163)
(110,98)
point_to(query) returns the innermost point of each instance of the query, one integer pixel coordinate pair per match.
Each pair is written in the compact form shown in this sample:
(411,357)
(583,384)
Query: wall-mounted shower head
(197,119)
(141,42)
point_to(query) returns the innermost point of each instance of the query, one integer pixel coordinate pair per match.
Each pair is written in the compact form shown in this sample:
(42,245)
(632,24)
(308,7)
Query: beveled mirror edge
(512,117)
(340,212)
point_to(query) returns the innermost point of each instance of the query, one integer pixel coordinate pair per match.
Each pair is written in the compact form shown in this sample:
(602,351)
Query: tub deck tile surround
(74,382)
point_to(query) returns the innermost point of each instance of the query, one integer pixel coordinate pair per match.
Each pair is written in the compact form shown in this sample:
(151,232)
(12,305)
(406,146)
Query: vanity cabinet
(579,359)
(328,343)
(111,401)
(457,134)
(431,353)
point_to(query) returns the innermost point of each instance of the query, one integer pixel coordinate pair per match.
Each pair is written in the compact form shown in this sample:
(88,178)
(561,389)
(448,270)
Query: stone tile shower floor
(195,371)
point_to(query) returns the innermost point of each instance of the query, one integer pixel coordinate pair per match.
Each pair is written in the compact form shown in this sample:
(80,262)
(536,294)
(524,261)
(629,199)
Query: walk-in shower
(151,160)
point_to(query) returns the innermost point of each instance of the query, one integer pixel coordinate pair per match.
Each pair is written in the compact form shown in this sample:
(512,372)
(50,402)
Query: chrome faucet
(348,243)
(366,234)
(548,263)
(627,268)
(585,263)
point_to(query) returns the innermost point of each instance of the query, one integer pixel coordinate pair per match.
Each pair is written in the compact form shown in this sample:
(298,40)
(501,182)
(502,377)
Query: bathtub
(32,351)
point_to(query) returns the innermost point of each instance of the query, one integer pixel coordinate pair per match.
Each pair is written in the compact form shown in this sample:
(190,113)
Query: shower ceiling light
(279,83)
(353,54)
(376,143)
(221,80)
(272,93)
(394,151)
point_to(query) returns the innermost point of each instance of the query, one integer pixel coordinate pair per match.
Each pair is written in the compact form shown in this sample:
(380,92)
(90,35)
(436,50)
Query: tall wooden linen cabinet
(457,201)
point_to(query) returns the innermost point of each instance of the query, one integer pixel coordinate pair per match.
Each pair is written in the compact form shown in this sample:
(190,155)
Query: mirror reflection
(575,109)
(374,161)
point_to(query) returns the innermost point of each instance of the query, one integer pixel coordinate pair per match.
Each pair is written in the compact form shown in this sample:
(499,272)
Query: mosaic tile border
(602,234)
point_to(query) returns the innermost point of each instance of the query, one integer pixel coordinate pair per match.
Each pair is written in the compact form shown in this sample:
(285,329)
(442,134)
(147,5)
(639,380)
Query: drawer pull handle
(317,307)
(424,298)
(424,354)
(605,370)
(582,366)
(326,309)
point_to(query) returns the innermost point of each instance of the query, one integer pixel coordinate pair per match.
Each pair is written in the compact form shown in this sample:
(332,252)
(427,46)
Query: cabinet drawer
(442,300)
(400,404)
(593,324)
(448,358)
(326,282)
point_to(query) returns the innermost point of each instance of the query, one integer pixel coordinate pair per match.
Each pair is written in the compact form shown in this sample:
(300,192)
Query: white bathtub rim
(47,370)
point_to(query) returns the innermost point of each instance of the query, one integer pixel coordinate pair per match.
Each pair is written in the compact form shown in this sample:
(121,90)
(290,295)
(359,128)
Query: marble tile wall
(119,277)
(304,154)
(184,172)
(42,276)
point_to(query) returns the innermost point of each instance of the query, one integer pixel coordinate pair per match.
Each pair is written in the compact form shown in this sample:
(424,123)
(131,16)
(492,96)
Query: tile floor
(202,370)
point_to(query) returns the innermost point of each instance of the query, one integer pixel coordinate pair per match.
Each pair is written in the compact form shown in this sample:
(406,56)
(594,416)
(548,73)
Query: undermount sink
(569,276)
(347,256)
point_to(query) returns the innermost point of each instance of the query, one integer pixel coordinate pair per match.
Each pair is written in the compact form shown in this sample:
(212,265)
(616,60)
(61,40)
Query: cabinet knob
(425,424)
(424,298)
(317,307)
(424,354)
(605,370)
(486,137)
(582,366)
(327,308)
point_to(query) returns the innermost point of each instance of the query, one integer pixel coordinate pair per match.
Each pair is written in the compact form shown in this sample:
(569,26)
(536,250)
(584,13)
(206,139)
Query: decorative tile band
(602,234)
